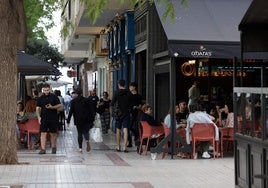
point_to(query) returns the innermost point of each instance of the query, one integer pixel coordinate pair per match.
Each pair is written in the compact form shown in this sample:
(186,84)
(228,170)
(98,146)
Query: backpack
(117,113)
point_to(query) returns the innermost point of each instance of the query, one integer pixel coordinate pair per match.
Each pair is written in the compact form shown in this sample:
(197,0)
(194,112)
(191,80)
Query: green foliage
(65,30)
(38,13)
(95,7)
(42,50)
(170,10)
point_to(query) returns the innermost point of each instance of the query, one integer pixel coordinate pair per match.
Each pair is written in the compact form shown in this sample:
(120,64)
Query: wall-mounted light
(176,54)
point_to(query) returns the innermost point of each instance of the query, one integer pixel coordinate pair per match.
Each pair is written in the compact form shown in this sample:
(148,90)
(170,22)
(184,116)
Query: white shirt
(167,121)
(67,98)
(198,117)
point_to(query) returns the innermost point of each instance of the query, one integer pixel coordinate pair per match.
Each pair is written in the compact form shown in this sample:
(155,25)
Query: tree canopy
(44,51)
(39,16)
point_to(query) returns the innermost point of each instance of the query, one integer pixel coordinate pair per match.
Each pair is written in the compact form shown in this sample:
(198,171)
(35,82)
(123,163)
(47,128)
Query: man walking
(46,111)
(83,118)
(122,98)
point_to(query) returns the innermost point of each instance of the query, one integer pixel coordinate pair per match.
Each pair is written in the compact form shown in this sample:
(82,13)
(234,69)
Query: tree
(11,24)
(13,36)
(44,51)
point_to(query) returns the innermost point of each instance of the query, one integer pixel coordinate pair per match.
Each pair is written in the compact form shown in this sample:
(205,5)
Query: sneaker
(54,150)
(88,146)
(80,150)
(205,155)
(42,151)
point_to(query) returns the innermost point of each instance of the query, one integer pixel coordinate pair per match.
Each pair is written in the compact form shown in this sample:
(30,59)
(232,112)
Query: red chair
(22,130)
(32,126)
(227,135)
(148,132)
(203,132)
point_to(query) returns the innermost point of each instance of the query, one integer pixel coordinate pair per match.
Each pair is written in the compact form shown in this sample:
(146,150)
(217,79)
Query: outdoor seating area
(29,132)
(201,132)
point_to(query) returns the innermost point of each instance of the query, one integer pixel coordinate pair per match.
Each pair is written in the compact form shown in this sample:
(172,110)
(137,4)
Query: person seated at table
(178,123)
(30,107)
(197,115)
(21,116)
(167,120)
(228,109)
(21,119)
(215,115)
(181,111)
(147,116)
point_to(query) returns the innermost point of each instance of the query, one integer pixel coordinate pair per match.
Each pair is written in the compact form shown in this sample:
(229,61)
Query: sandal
(118,150)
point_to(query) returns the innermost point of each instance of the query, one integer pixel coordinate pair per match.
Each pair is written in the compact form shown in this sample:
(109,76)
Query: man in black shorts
(46,110)
(122,98)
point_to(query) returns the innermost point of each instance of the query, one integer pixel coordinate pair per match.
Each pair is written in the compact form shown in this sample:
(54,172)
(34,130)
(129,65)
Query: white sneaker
(205,155)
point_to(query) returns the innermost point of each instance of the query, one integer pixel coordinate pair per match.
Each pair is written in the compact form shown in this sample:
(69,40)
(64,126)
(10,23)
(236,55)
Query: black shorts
(49,126)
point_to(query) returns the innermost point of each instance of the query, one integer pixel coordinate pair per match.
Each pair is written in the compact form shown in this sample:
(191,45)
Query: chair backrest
(227,133)
(32,125)
(148,130)
(203,130)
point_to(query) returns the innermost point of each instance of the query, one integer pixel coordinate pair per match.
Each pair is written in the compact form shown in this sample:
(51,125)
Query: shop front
(203,43)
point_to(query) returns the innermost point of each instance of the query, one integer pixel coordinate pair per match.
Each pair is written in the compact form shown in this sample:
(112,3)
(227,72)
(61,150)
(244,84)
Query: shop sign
(202,52)
(71,73)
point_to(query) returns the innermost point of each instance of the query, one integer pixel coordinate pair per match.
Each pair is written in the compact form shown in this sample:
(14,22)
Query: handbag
(96,134)
(97,122)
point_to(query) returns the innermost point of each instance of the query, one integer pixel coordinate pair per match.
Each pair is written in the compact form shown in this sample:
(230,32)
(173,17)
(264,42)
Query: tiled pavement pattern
(103,167)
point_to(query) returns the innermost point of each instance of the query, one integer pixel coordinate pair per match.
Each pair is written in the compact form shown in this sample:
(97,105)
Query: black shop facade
(203,43)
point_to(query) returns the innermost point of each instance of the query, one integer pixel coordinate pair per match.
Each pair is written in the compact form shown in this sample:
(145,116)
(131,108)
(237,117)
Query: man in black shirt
(182,112)
(122,97)
(93,99)
(46,111)
(83,118)
(136,103)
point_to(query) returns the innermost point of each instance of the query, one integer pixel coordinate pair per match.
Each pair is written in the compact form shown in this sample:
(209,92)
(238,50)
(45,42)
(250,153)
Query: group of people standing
(129,102)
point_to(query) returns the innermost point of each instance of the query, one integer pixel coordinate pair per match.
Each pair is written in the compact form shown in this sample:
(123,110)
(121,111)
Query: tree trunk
(9,29)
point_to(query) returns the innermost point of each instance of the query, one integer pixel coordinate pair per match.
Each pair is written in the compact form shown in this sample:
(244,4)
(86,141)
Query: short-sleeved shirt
(136,100)
(48,114)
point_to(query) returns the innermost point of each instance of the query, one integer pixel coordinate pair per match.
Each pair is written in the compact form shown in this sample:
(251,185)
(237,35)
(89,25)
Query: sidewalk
(103,167)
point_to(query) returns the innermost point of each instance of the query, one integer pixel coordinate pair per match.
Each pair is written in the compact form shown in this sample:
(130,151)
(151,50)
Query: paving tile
(104,167)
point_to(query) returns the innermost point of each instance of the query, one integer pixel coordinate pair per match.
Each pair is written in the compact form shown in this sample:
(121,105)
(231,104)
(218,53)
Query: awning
(205,28)
(57,83)
(254,29)
(30,65)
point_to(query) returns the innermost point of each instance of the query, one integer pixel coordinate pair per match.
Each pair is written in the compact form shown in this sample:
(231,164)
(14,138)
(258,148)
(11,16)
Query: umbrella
(30,65)
(57,83)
